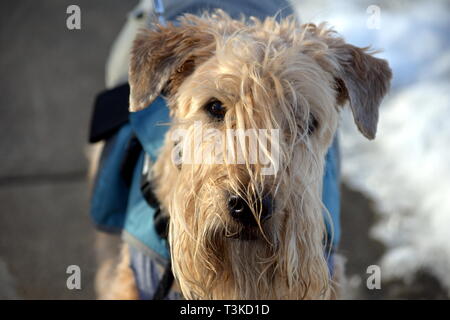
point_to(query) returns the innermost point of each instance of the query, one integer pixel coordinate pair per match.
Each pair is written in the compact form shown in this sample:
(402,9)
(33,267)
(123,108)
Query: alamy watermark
(232,146)
(374,280)
(73,21)
(374,19)
(74,280)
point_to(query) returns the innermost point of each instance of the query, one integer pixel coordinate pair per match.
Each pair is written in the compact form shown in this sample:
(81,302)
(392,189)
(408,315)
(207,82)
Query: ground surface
(50,76)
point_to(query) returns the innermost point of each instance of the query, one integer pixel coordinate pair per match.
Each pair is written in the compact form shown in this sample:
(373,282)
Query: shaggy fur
(268,75)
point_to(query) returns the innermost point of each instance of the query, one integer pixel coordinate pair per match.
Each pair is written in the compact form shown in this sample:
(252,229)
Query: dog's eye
(313,124)
(215,109)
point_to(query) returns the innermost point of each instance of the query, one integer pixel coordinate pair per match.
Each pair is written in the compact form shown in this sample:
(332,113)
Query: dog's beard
(214,258)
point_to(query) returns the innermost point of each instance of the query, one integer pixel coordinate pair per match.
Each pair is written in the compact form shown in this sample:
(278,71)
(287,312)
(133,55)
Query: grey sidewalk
(49,77)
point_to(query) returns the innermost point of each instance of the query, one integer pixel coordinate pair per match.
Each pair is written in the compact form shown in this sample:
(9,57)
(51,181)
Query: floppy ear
(363,80)
(162,58)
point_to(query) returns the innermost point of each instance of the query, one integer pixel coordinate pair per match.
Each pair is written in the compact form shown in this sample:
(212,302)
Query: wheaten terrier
(247,219)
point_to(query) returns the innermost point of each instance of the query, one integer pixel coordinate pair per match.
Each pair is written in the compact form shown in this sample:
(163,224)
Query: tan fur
(93,153)
(122,285)
(268,75)
(339,278)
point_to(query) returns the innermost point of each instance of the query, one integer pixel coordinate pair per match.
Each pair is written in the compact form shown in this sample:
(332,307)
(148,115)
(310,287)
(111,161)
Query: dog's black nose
(240,210)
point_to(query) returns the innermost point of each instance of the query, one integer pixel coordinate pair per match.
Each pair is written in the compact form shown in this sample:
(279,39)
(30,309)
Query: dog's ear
(360,78)
(363,80)
(162,58)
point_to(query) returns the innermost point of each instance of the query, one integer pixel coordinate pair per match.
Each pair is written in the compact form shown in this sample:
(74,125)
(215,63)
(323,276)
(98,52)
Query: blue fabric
(150,126)
(140,216)
(110,193)
(116,206)
(148,272)
(331,195)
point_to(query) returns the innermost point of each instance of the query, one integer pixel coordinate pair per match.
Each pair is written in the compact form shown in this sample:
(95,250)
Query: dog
(235,230)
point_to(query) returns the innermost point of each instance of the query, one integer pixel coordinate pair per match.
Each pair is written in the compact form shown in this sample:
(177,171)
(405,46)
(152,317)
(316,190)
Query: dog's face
(255,108)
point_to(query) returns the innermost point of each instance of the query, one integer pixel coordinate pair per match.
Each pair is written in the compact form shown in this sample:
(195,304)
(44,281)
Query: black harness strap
(165,283)
(110,112)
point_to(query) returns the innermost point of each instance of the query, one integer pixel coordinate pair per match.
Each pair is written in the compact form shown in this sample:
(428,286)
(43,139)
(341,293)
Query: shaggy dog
(237,230)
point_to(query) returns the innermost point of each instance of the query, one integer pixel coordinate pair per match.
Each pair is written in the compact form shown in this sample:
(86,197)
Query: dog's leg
(107,251)
(122,285)
(338,280)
